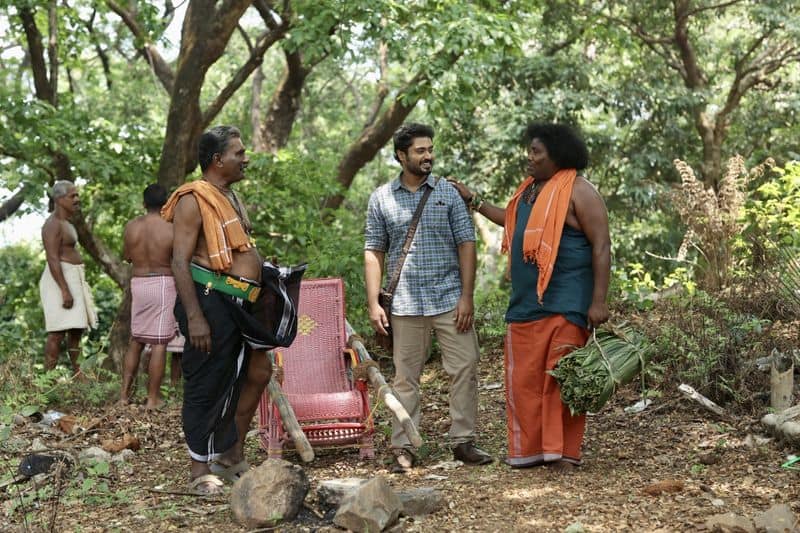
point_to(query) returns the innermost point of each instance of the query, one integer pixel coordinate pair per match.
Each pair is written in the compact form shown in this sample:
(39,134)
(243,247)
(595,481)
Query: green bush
(700,340)
(774,207)
(22,330)
(284,196)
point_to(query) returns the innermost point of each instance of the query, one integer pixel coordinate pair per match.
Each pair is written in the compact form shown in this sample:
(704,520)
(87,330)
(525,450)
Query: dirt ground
(721,466)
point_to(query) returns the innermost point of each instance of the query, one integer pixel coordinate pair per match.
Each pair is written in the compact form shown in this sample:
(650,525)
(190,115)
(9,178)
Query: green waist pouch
(224,283)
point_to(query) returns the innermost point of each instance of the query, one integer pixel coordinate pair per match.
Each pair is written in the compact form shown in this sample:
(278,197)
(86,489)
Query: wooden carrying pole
(386,395)
(290,422)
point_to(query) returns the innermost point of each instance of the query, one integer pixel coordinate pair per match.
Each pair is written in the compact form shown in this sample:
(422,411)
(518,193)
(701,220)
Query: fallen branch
(692,394)
(385,393)
(206,497)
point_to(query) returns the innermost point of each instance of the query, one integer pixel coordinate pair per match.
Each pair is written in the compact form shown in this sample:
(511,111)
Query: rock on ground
(373,507)
(269,494)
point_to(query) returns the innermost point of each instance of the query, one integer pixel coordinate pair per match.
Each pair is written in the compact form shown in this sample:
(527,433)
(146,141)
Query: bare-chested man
(148,246)
(66,297)
(217,272)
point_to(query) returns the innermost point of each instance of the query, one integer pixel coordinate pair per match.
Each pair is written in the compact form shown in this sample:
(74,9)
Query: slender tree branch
(694,78)
(100,52)
(255,110)
(253,62)
(9,207)
(36,53)
(383,86)
(147,50)
(52,49)
(700,9)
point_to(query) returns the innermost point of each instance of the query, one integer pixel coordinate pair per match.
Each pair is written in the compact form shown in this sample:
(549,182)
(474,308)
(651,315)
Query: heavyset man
(557,238)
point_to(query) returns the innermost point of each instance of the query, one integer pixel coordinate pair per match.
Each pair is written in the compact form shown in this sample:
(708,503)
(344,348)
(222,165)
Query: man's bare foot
(563,466)
(154,405)
(206,485)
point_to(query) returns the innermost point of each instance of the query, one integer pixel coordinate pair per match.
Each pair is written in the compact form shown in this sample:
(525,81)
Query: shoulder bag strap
(412,229)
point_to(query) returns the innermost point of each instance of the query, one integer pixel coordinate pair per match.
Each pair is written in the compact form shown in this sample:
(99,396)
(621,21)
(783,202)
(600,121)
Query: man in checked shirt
(434,292)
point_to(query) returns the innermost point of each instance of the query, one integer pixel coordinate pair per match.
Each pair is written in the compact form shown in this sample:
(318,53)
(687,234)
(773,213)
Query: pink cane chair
(331,406)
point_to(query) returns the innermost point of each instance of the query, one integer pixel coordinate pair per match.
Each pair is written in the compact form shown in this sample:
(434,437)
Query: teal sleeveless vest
(570,290)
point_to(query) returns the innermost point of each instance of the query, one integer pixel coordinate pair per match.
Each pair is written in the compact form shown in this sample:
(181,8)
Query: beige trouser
(460,353)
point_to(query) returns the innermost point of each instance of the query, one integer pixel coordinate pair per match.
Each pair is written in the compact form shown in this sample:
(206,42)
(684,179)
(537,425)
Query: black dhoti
(213,381)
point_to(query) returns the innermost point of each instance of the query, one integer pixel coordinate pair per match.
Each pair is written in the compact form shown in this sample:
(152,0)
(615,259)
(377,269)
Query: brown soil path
(720,466)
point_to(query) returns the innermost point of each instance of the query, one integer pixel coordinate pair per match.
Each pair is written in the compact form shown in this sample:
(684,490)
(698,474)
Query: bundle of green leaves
(588,376)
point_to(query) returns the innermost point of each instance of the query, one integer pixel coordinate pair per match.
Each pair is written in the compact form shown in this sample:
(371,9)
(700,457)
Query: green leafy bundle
(588,376)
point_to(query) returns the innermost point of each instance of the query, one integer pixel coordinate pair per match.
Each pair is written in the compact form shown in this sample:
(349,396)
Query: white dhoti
(82,314)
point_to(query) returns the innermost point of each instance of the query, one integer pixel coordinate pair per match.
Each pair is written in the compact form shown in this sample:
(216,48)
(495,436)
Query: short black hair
(155,196)
(405,135)
(564,146)
(215,141)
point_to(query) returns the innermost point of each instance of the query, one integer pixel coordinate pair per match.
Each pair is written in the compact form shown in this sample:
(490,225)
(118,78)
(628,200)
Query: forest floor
(715,466)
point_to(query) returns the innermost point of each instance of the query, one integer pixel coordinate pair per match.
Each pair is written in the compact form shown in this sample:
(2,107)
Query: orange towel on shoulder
(545,225)
(222,227)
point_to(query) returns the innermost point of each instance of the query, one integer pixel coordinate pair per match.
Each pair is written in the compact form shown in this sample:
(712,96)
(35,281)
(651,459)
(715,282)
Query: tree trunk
(369,143)
(206,32)
(285,104)
(10,206)
(120,333)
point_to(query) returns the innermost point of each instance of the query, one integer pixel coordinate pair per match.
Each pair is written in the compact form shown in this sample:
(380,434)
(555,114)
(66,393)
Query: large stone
(332,492)
(269,494)
(777,519)
(373,507)
(421,501)
(730,523)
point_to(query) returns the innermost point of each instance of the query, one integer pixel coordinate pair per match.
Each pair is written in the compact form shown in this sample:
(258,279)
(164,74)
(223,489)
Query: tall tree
(722,53)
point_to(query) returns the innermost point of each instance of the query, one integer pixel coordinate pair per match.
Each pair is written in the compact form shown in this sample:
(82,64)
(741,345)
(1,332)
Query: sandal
(206,485)
(230,473)
(403,460)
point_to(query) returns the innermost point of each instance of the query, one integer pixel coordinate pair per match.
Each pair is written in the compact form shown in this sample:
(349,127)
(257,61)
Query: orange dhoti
(540,427)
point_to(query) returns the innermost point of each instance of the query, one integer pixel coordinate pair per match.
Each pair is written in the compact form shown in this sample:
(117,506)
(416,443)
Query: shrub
(713,218)
(700,340)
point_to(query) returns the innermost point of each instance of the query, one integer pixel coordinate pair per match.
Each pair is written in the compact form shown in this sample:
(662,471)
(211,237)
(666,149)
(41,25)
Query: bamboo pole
(385,393)
(290,422)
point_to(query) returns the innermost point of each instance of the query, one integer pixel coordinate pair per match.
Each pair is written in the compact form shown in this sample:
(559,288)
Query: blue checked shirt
(430,282)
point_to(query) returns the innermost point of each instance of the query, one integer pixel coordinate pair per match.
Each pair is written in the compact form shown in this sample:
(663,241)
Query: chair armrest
(349,352)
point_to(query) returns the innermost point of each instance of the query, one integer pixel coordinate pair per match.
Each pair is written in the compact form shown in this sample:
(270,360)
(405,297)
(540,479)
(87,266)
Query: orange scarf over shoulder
(222,227)
(543,231)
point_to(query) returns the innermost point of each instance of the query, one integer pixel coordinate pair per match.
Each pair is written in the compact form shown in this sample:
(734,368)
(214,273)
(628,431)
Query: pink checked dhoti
(152,302)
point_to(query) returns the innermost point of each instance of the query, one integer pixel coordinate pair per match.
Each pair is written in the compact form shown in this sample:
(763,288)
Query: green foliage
(773,209)
(25,387)
(21,317)
(490,311)
(700,340)
(283,195)
(636,285)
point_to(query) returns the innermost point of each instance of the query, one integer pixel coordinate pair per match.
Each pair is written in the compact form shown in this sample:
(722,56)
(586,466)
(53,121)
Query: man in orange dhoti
(556,235)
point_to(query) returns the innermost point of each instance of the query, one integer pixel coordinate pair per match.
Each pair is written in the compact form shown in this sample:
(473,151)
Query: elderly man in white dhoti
(66,297)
